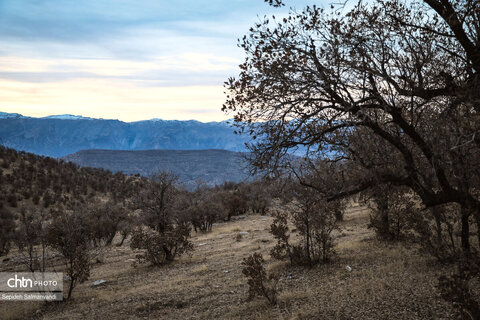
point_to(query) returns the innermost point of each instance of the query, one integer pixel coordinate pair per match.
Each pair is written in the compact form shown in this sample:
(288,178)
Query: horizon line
(80,117)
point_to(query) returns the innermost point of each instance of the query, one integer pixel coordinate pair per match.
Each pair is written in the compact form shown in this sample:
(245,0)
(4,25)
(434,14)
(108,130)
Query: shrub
(390,207)
(280,231)
(7,229)
(204,214)
(315,220)
(70,235)
(457,289)
(258,282)
(161,248)
(12,200)
(436,231)
(47,199)
(36,199)
(106,219)
(258,195)
(234,202)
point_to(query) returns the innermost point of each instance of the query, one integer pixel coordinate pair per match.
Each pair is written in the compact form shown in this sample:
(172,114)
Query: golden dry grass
(387,281)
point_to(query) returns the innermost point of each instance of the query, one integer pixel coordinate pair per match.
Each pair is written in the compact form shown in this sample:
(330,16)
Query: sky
(123,59)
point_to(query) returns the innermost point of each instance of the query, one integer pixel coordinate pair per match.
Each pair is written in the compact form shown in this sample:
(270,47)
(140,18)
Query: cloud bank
(122,59)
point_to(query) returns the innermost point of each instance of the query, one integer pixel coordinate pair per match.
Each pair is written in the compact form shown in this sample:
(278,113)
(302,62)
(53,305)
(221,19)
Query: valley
(212,167)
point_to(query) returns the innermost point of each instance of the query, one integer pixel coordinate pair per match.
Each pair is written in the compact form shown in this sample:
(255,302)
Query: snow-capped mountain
(67,117)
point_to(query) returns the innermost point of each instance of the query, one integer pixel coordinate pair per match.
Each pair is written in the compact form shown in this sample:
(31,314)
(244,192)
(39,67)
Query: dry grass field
(387,281)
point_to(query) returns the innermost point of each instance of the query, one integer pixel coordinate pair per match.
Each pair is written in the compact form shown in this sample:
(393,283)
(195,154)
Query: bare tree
(70,235)
(31,237)
(396,78)
(167,234)
(156,201)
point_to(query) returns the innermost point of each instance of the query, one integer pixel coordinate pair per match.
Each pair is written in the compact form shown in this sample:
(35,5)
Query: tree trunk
(110,238)
(438,223)
(386,223)
(477,219)
(70,289)
(124,236)
(465,232)
(308,242)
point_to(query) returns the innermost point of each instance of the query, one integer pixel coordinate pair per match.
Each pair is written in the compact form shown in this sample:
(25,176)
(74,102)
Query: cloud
(108,57)
(185,69)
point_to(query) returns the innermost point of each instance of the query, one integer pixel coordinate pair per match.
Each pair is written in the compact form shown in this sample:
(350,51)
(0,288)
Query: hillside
(57,136)
(213,167)
(29,179)
(367,278)
(387,281)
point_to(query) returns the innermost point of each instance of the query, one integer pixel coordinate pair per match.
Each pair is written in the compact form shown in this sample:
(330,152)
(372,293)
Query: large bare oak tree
(389,90)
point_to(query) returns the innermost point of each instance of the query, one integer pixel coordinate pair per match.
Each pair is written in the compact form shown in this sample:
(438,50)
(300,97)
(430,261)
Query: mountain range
(60,135)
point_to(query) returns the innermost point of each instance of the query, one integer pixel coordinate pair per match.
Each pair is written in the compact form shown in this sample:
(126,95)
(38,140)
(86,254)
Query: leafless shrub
(161,248)
(315,219)
(259,284)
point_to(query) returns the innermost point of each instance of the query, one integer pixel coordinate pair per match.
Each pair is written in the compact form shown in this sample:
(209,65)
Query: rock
(98,282)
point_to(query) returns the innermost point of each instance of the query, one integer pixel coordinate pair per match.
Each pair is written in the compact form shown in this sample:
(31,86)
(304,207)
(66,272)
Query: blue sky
(123,59)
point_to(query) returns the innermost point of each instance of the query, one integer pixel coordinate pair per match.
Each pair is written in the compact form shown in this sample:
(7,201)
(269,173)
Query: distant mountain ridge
(213,167)
(60,135)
